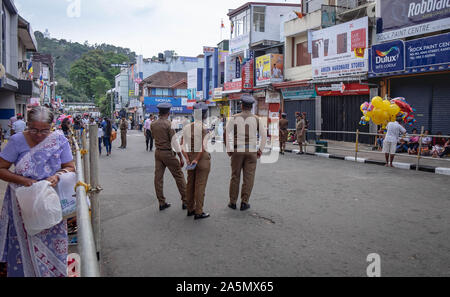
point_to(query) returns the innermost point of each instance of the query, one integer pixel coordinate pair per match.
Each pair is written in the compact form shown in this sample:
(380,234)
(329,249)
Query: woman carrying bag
(38,154)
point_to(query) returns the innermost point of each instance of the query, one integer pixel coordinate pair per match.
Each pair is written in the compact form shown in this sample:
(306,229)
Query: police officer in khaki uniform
(242,130)
(193,144)
(123,132)
(284,123)
(163,133)
(301,132)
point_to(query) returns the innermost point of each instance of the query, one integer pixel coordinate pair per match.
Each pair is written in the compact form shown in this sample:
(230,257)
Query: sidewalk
(365,152)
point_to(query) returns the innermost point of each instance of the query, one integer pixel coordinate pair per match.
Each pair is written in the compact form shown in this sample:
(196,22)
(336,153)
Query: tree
(99,85)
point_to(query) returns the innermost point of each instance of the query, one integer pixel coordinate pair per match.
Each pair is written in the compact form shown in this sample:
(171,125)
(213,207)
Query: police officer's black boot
(244,206)
(163,207)
(202,216)
(232,206)
(184,207)
(190,213)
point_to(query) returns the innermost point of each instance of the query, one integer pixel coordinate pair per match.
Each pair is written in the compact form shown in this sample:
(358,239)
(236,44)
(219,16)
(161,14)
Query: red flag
(299,14)
(222,25)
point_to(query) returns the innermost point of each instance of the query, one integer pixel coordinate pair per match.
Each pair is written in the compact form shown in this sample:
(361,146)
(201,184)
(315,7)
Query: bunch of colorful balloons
(381,112)
(61,118)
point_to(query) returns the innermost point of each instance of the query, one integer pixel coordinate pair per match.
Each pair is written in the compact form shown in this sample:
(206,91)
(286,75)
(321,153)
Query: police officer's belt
(165,150)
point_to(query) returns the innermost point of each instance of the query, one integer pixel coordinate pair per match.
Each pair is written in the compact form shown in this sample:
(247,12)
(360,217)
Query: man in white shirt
(18,126)
(394,130)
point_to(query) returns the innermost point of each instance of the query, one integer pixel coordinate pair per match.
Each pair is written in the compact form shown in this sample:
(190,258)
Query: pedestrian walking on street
(123,133)
(244,128)
(163,133)
(193,147)
(19,126)
(284,123)
(394,130)
(301,131)
(148,133)
(107,135)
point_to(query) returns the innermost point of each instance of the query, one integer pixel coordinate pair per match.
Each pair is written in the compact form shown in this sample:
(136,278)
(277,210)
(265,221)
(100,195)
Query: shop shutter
(308,106)
(440,114)
(342,113)
(418,92)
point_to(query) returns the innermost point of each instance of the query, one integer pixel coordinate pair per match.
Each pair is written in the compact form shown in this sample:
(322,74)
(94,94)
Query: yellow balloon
(377,102)
(366,118)
(385,117)
(394,110)
(362,106)
(369,114)
(386,105)
(377,113)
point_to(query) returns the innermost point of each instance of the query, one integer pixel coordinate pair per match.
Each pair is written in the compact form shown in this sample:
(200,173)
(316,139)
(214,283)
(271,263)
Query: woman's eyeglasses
(37,131)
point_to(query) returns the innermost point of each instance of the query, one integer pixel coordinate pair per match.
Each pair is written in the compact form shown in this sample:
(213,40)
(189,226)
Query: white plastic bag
(40,206)
(66,193)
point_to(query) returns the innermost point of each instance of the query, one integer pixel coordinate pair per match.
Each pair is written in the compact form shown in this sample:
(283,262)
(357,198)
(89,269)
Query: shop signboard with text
(151,104)
(247,75)
(420,55)
(303,92)
(341,50)
(405,18)
(388,57)
(342,89)
(239,44)
(232,87)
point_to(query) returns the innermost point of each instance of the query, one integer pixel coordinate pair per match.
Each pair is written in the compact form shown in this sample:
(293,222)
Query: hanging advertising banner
(341,50)
(223,56)
(388,57)
(247,75)
(269,69)
(404,18)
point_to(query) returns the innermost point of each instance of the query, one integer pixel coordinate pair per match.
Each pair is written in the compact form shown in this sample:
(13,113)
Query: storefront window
(181,92)
(162,92)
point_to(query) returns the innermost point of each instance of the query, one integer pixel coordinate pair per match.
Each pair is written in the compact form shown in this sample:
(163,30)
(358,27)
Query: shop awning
(339,79)
(292,84)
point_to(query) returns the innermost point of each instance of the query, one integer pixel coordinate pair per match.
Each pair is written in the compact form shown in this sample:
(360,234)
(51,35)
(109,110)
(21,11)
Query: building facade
(16,84)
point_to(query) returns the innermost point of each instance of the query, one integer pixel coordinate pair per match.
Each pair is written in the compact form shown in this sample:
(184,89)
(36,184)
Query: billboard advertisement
(341,50)
(419,55)
(388,57)
(269,69)
(404,18)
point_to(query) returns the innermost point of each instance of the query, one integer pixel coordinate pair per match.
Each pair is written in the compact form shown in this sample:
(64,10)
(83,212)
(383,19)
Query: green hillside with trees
(84,71)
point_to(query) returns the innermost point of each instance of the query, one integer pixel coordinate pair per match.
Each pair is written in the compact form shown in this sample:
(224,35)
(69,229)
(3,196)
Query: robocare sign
(404,18)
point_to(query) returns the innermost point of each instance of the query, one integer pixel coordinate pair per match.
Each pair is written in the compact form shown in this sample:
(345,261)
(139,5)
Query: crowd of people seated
(431,146)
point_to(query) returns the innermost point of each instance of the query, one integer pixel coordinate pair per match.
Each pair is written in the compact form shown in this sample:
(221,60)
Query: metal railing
(357,149)
(86,242)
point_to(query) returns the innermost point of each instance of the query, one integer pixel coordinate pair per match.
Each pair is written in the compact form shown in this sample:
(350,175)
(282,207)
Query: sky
(147,27)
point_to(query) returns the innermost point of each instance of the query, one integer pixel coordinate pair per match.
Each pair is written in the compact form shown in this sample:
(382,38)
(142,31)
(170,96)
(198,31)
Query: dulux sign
(388,57)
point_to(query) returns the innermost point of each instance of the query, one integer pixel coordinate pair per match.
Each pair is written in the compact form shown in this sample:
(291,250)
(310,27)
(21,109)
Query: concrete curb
(399,165)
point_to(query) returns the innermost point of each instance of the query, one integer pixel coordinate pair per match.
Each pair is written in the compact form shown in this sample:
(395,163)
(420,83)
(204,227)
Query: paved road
(310,217)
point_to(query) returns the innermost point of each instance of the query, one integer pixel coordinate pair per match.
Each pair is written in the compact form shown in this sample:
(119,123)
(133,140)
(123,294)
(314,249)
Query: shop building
(411,59)
(166,86)
(16,81)
(326,65)
(255,32)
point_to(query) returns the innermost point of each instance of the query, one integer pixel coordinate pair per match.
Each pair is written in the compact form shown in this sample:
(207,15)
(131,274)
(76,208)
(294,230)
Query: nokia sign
(388,57)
